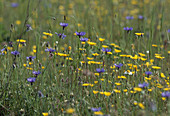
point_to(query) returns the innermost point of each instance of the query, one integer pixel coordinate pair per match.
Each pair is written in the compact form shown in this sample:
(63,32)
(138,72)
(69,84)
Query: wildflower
(30,58)
(168,31)
(141,105)
(118,65)
(107,93)
(139,34)
(48,34)
(100,70)
(21,40)
(79,34)
(148,73)
(45,114)
(70,111)
(128,29)
(15,53)
(31,80)
(98,113)
(143,85)
(95,92)
(101,39)
(14,5)
(28,27)
(106,50)
(96,109)
(137,89)
(60,35)
(166,94)
(156,67)
(83,39)
(64,25)
(40,94)
(36,73)
(49,50)
(140,17)
(129,17)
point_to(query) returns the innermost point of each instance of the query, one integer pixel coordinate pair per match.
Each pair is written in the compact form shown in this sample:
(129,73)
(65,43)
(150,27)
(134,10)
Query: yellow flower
(141,54)
(102,93)
(42,67)
(166,89)
(85,84)
(123,55)
(149,90)
(116,90)
(30,63)
(163,98)
(156,67)
(45,114)
(95,82)
(83,43)
(125,90)
(141,106)
(117,51)
(109,52)
(18,22)
(102,79)
(112,44)
(78,24)
(153,45)
(70,111)
(97,74)
(117,84)
(105,46)
(69,58)
(95,92)
(48,34)
(24,65)
(135,103)
(137,89)
(95,54)
(98,113)
(21,40)
(92,43)
(162,75)
(90,58)
(101,39)
(139,34)
(107,93)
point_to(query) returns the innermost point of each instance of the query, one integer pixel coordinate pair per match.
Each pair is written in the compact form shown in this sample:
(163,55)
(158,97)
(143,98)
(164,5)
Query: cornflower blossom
(28,27)
(36,73)
(148,73)
(96,109)
(31,80)
(64,25)
(118,65)
(129,17)
(166,94)
(2,50)
(15,53)
(168,31)
(128,29)
(80,34)
(100,70)
(30,58)
(50,50)
(106,50)
(140,17)
(142,85)
(83,39)
(60,35)
(14,5)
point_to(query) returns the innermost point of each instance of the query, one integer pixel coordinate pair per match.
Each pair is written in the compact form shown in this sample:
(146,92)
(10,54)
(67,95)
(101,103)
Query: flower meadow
(84,57)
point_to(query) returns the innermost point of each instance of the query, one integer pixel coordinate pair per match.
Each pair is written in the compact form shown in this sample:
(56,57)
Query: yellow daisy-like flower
(98,113)
(156,67)
(153,45)
(95,82)
(95,92)
(141,105)
(102,93)
(101,39)
(117,84)
(45,114)
(18,22)
(48,34)
(163,98)
(105,46)
(95,54)
(112,44)
(135,103)
(125,90)
(90,58)
(97,74)
(138,89)
(117,51)
(85,84)
(162,75)
(107,93)
(92,43)
(116,90)
(21,40)
(139,34)
(122,55)
(70,110)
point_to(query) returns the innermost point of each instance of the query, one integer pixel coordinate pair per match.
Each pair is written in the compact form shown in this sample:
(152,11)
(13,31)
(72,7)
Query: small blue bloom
(168,30)
(83,39)
(96,109)
(140,17)
(128,28)
(31,58)
(50,50)
(142,85)
(100,70)
(36,73)
(148,73)
(129,17)
(14,5)
(106,50)
(118,65)
(28,27)
(166,94)
(64,25)
(80,34)
(31,79)
(15,53)
(60,35)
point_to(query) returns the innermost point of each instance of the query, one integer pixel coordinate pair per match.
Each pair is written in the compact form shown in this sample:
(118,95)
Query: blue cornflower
(106,50)
(83,39)
(64,25)
(80,34)
(31,80)
(36,73)
(168,30)
(96,109)
(148,73)
(142,85)
(118,65)
(100,70)
(28,27)
(31,58)
(140,17)
(128,29)
(60,35)
(15,53)
(14,5)
(166,94)
(49,50)
(2,50)
(129,17)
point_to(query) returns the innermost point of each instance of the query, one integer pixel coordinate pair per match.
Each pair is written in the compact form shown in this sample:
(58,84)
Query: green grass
(63,82)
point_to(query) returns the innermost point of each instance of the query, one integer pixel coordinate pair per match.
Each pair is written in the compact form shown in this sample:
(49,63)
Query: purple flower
(28,27)
(40,94)
(49,50)
(148,73)
(140,17)
(31,79)
(129,17)
(106,50)
(15,53)
(100,70)
(168,30)
(83,39)
(118,65)
(95,109)
(142,85)
(60,35)
(14,5)
(31,58)
(166,94)
(64,25)
(128,28)
(80,34)
(36,73)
